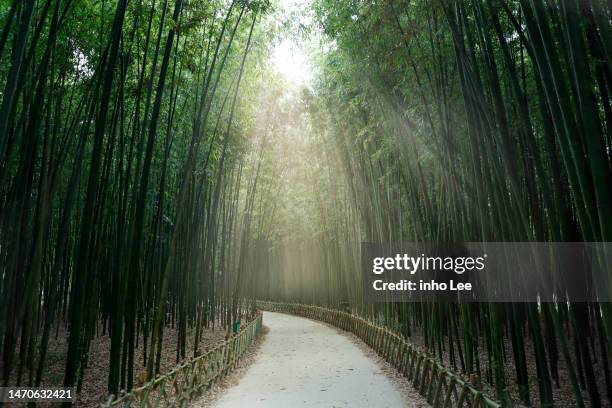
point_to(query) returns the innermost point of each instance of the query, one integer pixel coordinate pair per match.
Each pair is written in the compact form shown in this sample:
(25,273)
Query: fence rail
(188,380)
(440,386)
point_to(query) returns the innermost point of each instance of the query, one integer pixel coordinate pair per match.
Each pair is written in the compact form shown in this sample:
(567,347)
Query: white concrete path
(303,363)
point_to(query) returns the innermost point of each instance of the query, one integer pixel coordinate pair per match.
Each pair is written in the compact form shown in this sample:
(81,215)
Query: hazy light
(290,57)
(290,60)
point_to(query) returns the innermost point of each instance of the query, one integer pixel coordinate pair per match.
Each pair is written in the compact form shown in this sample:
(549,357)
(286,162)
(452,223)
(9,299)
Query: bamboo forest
(170,168)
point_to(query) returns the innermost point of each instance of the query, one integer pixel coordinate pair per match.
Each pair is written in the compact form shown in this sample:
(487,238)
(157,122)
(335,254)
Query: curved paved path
(303,363)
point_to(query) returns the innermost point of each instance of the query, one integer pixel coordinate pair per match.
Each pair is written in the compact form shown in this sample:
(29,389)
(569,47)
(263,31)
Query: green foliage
(457,121)
(118,154)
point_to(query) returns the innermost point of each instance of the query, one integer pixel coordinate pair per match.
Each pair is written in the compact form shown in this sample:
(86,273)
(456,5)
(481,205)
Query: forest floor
(306,363)
(94,389)
(563,394)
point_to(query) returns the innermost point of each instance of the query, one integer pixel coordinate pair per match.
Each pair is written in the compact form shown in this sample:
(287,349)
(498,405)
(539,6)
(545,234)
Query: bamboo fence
(189,380)
(440,386)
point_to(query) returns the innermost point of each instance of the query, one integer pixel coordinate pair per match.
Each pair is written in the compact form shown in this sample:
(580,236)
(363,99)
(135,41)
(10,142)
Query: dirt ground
(94,389)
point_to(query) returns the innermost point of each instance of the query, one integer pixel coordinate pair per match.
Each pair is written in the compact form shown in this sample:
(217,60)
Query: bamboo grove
(121,176)
(450,121)
(155,171)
